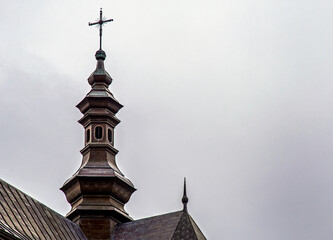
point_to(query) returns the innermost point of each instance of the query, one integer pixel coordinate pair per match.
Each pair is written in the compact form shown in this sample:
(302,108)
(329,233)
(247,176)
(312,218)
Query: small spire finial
(184,198)
(100,22)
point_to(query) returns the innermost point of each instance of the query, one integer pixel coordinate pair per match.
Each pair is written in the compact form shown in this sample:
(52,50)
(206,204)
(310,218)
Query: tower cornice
(105,146)
(100,115)
(99,99)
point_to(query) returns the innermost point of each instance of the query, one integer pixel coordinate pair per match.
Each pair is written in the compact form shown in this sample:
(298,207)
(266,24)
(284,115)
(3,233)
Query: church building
(97,191)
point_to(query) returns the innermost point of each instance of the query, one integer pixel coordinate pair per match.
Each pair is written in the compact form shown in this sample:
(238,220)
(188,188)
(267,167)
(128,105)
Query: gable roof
(22,217)
(171,226)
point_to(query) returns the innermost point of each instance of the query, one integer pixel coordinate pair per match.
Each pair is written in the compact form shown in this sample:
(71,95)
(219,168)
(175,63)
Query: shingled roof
(8,233)
(171,226)
(24,218)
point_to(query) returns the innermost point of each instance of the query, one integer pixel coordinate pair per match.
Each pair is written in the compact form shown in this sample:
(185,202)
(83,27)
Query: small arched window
(98,132)
(110,135)
(88,135)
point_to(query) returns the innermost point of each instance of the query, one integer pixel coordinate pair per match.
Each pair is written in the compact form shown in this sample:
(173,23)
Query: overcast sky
(236,95)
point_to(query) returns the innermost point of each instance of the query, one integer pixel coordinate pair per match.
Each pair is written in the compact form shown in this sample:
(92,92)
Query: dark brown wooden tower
(98,191)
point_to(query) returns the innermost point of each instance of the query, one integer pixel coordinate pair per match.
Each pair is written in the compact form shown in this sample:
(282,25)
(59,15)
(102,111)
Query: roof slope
(23,217)
(187,229)
(171,226)
(7,233)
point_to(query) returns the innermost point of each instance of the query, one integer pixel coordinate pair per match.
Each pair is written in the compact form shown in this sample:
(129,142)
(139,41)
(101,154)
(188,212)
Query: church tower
(98,191)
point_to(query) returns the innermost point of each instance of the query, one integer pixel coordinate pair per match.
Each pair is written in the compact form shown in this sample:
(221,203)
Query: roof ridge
(196,227)
(180,217)
(174,231)
(186,216)
(159,215)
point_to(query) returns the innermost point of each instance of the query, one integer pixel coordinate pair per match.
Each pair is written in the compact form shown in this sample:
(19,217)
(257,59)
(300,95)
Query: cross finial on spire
(185,198)
(100,22)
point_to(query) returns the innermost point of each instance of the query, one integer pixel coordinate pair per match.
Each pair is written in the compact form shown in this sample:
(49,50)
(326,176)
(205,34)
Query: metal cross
(100,23)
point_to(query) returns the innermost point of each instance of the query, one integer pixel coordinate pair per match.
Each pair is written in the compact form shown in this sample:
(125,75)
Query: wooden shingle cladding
(170,226)
(25,218)
(7,233)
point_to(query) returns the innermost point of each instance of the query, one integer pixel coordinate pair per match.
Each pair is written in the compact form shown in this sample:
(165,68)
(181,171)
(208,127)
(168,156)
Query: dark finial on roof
(185,198)
(100,54)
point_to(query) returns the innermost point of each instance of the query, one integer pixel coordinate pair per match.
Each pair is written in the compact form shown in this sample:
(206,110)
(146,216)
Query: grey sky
(234,95)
